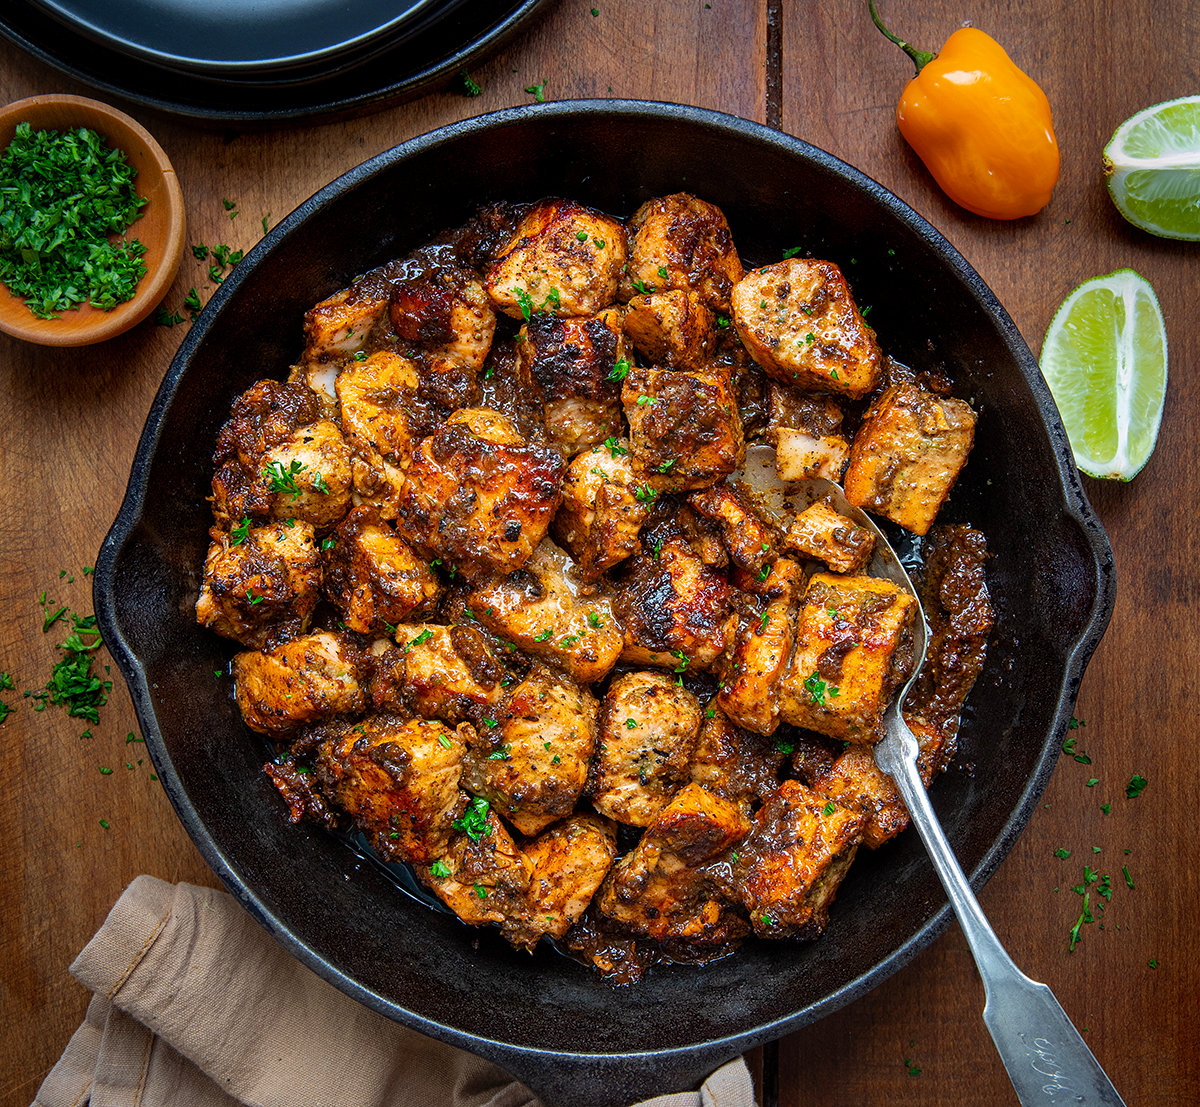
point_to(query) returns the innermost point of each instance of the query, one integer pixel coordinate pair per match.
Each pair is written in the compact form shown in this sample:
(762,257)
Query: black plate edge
(484,43)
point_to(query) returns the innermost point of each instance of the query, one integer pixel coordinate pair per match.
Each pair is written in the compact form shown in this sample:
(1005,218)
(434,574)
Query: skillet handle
(609,1081)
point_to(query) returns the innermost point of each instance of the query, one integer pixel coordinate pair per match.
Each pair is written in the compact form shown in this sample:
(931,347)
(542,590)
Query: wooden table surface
(69,423)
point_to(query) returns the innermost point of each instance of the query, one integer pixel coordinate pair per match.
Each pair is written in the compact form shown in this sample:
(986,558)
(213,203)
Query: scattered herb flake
(1134,788)
(538,92)
(470,86)
(192,302)
(524,301)
(280,479)
(474,821)
(816,688)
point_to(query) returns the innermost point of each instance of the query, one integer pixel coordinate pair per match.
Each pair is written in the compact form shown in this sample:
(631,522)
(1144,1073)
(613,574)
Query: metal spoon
(1046,1059)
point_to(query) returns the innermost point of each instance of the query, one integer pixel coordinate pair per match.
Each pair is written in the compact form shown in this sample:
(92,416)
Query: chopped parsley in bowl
(91,221)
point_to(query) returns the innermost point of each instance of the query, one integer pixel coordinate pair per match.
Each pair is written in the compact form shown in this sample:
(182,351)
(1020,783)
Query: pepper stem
(920,58)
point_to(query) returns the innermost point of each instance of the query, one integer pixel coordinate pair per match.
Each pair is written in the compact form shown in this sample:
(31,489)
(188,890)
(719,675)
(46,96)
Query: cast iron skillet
(546,1018)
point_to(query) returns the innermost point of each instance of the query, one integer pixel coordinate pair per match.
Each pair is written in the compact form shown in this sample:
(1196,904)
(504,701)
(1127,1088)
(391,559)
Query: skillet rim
(1075,506)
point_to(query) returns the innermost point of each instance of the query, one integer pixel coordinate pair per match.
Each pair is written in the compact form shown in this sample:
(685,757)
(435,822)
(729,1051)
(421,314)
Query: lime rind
(1152,163)
(1105,360)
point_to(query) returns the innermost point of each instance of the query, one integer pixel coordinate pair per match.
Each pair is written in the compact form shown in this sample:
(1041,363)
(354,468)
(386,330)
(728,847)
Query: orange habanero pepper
(980,125)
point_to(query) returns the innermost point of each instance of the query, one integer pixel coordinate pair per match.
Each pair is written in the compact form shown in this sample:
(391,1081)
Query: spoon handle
(1046,1059)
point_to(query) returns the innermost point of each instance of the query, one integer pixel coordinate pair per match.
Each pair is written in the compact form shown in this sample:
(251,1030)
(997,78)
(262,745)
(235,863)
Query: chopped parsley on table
(1134,788)
(64,197)
(72,685)
(5,709)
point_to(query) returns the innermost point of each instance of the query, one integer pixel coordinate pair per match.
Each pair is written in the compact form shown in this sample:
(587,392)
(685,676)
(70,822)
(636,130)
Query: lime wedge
(1153,169)
(1105,360)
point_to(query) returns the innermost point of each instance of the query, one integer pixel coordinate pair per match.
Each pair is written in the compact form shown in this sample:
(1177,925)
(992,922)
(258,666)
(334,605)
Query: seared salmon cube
(311,679)
(683,243)
(660,888)
(799,321)
(563,259)
(762,650)
(601,515)
(648,730)
(789,868)
(674,608)
(398,778)
(853,647)
(569,861)
(671,328)
(908,454)
(374,577)
(683,426)
(572,362)
(824,534)
(479,496)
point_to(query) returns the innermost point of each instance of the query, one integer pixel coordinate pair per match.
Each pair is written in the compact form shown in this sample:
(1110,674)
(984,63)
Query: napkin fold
(194,1005)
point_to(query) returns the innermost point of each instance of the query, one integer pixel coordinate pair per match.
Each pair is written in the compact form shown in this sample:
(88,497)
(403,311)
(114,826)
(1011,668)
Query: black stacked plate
(266,60)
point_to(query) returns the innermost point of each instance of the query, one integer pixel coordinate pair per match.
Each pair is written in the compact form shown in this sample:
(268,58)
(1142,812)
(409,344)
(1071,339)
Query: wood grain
(70,420)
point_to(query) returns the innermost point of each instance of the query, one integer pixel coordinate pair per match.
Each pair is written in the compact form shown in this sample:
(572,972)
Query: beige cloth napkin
(195,1005)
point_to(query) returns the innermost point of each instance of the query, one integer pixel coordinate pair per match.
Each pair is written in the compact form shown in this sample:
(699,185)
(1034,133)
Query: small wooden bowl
(161,227)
